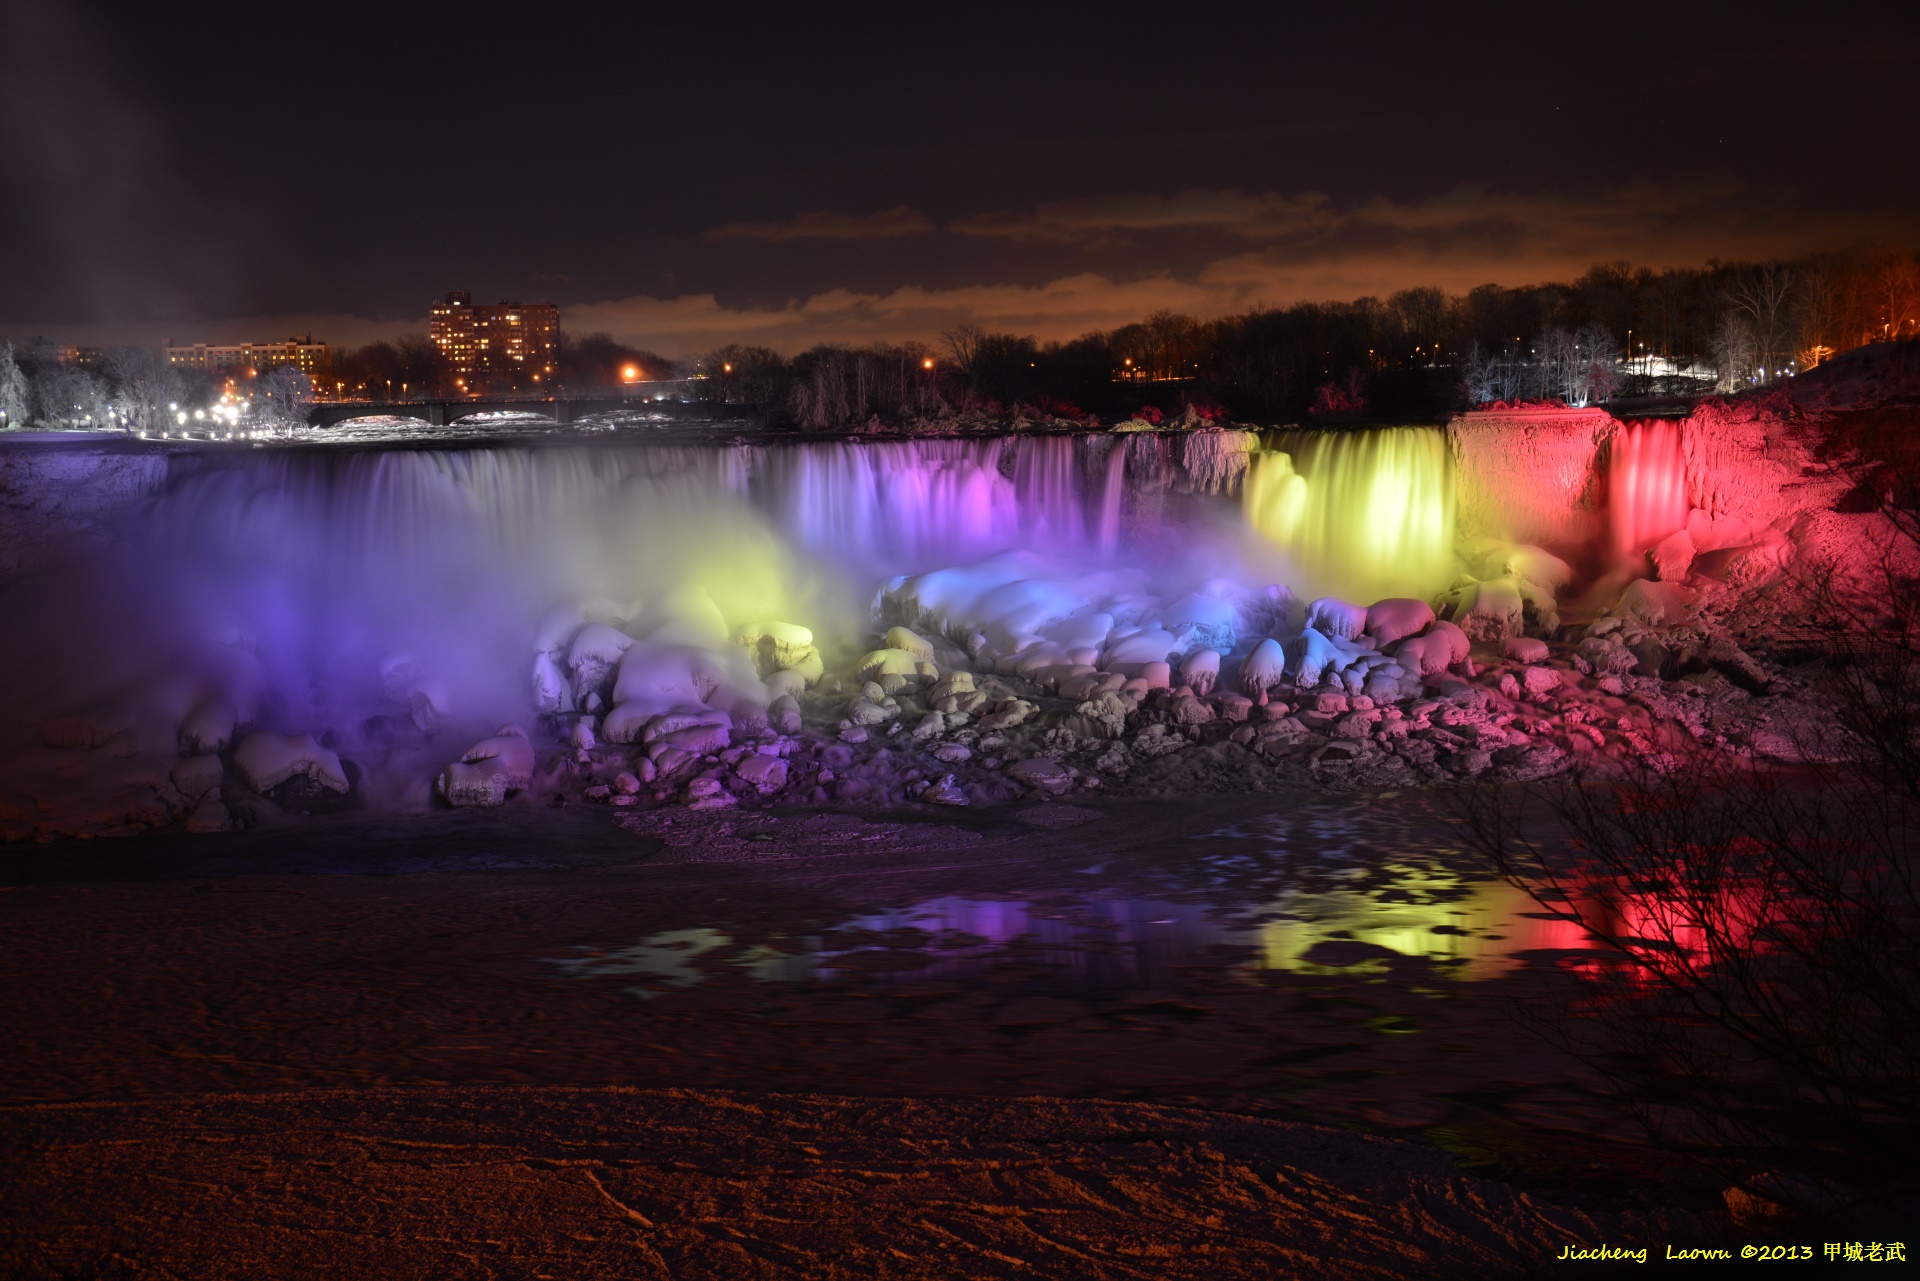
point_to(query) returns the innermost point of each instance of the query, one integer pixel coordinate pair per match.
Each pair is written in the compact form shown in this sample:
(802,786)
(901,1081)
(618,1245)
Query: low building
(311,358)
(495,344)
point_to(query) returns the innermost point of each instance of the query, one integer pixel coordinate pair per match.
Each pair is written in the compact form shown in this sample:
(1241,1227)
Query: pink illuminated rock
(1655,604)
(1540,680)
(1396,619)
(1525,649)
(1672,556)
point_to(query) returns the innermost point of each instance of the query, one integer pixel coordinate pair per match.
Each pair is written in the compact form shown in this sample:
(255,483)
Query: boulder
(765,774)
(264,760)
(1538,681)
(1331,616)
(1672,556)
(783,714)
(946,792)
(1737,665)
(951,685)
(1038,771)
(491,769)
(695,740)
(1525,649)
(1199,670)
(1396,619)
(885,662)
(1654,604)
(1188,710)
(209,727)
(196,775)
(865,711)
(210,815)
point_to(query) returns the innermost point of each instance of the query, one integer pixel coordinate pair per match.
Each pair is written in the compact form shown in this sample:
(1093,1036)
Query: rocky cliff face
(51,496)
(1529,475)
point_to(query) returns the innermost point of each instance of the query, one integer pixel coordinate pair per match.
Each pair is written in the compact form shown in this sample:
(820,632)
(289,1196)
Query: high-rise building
(311,358)
(503,344)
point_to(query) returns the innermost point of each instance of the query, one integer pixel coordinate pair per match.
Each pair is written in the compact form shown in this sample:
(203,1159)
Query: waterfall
(1361,514)
(1646,485)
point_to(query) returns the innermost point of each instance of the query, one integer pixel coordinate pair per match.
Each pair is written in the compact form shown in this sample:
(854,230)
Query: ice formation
(668,622)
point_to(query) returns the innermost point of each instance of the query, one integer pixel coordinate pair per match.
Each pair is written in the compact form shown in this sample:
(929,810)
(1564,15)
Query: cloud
(1645,221)
(342,329)
(1300,248)
(1058,308)
(1246,251)
(887,224)
(1234,213)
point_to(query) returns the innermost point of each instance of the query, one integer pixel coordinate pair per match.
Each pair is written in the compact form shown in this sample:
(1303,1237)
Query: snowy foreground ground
(1243,1038)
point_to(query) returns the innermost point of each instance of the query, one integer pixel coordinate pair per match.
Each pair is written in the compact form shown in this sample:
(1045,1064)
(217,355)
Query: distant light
(629,372)
(927,363)
(726,369)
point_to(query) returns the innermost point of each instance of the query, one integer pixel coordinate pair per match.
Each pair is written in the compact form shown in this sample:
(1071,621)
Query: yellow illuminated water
(1363,515)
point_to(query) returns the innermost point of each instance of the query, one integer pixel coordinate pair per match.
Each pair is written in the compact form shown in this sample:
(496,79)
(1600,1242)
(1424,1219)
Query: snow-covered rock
(197,775)
(1396,619)
(1525,649)
(209,727)
(1263,669)
(765,774)
(1654,604)
(1199,670)
(1331,616)
(265,760)
(491,769)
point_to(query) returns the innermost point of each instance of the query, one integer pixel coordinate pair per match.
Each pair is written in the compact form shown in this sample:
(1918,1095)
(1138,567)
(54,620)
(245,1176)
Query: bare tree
(282,395)
(144,385)
(71,397)
(16,393)
(1595,367)
(1756,996)
(1762,303)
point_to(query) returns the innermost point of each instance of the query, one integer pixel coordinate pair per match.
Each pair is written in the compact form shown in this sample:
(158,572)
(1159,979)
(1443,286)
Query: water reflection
(1319,890)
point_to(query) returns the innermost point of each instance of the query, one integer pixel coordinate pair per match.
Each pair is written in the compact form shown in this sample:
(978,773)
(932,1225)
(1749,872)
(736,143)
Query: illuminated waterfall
(1361,514)
(1646,485)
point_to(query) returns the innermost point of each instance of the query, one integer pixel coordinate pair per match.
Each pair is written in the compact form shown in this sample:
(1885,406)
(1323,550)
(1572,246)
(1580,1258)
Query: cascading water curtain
(1646,486)
(1363,515)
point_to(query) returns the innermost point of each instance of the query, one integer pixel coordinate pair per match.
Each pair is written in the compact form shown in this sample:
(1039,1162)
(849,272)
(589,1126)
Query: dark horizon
(682,181)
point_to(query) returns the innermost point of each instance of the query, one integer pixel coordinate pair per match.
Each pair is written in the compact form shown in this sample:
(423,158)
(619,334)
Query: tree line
(1619,330)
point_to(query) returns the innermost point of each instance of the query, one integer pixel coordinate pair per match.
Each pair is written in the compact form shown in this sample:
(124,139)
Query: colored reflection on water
(1321,890)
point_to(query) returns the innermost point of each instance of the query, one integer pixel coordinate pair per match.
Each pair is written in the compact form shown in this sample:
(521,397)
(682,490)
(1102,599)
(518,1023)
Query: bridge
(563,408)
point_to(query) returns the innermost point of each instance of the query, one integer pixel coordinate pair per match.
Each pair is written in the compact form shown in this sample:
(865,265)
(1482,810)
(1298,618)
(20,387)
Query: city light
(630,373)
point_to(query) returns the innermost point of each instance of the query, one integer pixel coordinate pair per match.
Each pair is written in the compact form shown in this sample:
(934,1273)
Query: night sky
(684,175)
